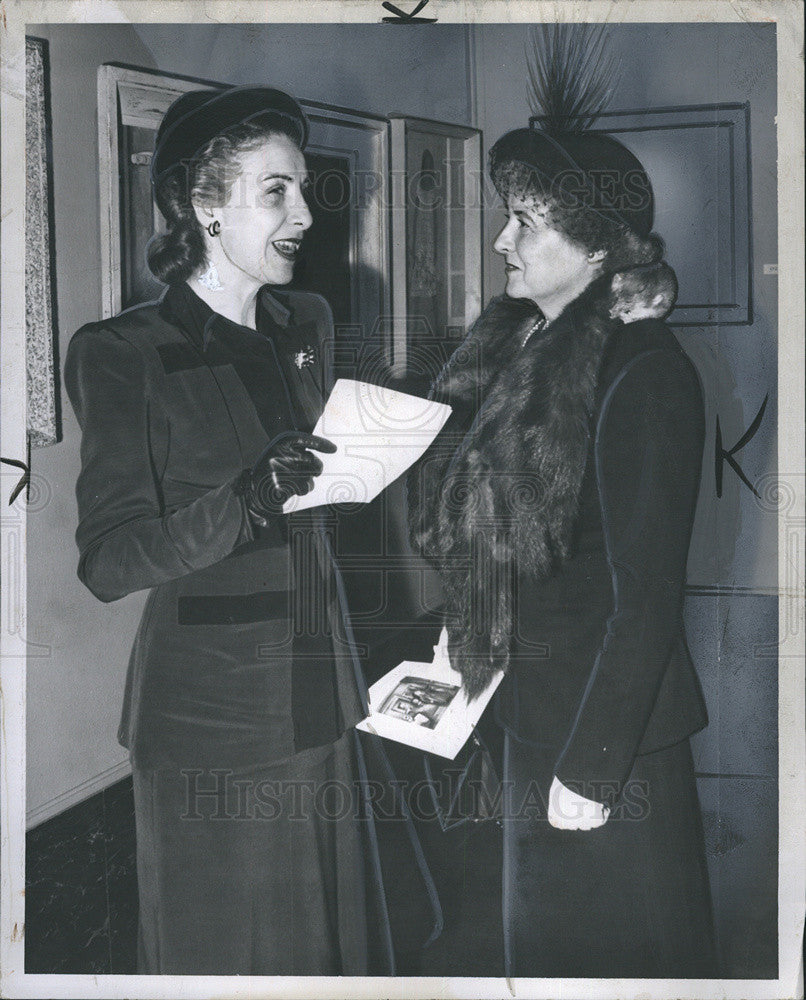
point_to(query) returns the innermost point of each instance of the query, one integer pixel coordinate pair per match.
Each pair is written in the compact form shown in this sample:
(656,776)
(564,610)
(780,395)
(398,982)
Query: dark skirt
(258,871)
(630,899)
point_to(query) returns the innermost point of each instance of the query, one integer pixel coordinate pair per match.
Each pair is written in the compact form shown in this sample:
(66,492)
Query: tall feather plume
(572,75)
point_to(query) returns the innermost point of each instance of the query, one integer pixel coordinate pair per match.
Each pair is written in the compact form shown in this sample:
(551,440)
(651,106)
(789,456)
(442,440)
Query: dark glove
(286,468)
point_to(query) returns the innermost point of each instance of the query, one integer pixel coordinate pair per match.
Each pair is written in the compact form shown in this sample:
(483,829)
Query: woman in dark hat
(557,505)
(196,413)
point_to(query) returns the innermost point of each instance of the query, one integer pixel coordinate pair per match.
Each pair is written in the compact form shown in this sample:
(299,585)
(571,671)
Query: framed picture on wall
(131,104)
(436,240)
(41,326)
(346,258)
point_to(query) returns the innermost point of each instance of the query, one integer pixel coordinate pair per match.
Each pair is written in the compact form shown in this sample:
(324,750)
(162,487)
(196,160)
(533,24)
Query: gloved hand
(568,810)
(286,468)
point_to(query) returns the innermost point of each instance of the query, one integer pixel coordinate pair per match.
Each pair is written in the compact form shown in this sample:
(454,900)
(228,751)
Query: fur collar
(498,491)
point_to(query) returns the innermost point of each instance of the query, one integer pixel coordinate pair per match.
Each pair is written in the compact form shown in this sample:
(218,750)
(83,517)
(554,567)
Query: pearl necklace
(537,325)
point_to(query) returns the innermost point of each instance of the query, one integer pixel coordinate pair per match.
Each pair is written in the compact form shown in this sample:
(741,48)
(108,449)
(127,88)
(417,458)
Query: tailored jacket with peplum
(222,671)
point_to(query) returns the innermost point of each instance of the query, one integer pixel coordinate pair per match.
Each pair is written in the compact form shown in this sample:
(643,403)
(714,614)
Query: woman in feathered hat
(196,414)
(557,505)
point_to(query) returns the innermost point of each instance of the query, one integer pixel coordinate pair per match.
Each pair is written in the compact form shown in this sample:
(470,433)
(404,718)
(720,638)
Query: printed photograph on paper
(333,346)
(418,700)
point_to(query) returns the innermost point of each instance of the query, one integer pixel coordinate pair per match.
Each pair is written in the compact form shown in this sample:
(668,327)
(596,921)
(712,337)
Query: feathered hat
(571,80)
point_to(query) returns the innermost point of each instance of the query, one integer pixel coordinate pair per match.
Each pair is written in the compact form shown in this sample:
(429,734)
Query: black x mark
(401,17)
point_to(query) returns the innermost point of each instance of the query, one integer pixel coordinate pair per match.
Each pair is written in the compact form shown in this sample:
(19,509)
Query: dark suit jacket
(600,669)
(167,427)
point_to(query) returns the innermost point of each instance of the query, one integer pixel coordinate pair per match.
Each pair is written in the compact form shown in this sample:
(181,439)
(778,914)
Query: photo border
(792,522)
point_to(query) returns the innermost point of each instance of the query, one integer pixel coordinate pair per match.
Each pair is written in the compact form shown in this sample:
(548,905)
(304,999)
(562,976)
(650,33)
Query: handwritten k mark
(721,455)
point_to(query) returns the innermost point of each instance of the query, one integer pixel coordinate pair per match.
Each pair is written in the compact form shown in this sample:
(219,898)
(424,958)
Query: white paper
(380,432)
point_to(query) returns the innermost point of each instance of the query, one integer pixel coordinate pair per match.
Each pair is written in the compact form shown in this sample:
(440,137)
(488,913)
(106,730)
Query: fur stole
(498,491)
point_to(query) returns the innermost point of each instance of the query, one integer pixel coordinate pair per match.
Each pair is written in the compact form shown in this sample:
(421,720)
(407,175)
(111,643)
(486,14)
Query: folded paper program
(424,705)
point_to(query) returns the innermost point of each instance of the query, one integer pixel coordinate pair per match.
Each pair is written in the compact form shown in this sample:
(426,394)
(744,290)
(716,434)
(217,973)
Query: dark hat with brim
(200,115)
(584,169)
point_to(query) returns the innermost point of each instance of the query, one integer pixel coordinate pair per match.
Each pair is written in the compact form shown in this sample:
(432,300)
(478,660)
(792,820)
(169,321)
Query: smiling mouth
(289,249)
(511,267)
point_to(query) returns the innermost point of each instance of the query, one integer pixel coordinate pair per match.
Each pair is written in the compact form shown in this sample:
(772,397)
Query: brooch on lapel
(305,357)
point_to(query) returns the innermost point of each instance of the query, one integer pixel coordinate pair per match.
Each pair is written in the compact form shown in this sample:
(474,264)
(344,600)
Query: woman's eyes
(273,195)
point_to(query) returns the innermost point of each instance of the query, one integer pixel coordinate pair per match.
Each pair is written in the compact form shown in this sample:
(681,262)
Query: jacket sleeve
(648,453)
(127,539)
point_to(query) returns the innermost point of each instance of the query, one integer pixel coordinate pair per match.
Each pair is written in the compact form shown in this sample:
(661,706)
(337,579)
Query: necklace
(537,325)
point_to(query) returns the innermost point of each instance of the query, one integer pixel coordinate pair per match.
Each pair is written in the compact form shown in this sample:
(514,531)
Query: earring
(214,228)
(210,279)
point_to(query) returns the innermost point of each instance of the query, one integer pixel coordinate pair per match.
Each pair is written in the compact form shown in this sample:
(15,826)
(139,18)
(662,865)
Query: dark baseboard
(81,888)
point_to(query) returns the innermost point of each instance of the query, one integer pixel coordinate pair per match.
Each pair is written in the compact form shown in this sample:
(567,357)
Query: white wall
(75,686)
